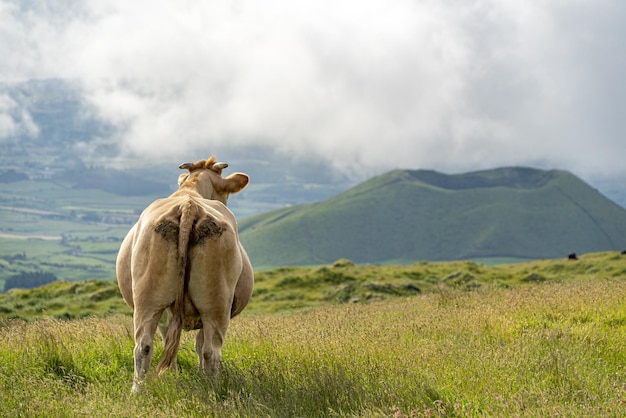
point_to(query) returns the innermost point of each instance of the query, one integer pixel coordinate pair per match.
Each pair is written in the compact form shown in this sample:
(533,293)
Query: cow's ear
(182,178)
(236,182)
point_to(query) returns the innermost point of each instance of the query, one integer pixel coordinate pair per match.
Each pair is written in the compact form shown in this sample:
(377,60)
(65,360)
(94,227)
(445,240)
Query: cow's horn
(186,166)
(220,166)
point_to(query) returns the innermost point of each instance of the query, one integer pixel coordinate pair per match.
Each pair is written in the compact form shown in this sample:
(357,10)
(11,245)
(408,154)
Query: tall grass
(552,349)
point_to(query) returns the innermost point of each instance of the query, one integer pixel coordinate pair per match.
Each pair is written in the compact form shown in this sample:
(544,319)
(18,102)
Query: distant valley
(67,199)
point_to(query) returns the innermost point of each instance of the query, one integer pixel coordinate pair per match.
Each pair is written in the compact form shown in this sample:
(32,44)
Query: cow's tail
(188,213)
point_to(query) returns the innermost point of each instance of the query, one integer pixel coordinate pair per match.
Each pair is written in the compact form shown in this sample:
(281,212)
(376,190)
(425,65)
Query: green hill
(286,289)
(404,216)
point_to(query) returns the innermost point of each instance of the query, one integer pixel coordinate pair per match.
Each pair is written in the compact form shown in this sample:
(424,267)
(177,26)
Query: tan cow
(183,260)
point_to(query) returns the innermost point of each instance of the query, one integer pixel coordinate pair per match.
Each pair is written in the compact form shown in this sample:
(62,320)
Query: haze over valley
(311,99)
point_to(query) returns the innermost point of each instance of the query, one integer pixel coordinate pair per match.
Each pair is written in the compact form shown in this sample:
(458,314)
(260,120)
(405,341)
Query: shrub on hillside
(27,280)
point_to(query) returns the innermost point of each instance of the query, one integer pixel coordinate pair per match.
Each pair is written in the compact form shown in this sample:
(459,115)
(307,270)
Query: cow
(182,263)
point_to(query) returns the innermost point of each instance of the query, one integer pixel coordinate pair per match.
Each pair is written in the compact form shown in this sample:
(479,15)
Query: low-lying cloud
(455,85)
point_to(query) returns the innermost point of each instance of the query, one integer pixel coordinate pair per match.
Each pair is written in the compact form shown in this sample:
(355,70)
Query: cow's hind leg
(199,344)
(209,342)
(146,322)
(163,328)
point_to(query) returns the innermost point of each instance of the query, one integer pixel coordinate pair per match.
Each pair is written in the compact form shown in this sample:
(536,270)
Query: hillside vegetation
(403,216)
(546,339)
(299,288)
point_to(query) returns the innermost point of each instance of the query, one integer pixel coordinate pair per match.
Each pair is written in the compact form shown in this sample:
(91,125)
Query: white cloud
(454,85)
(14,120)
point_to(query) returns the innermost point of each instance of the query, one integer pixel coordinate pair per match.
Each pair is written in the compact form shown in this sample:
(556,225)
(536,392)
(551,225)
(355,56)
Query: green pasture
(74,234)
(67,260)
(546,339)
(54,194)
(50,226)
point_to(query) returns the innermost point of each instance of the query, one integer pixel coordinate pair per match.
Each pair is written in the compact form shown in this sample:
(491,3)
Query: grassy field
(541,339)
(287,289)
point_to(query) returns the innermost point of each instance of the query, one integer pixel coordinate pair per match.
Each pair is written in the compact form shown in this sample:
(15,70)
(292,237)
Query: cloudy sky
(452,85)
